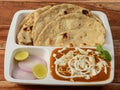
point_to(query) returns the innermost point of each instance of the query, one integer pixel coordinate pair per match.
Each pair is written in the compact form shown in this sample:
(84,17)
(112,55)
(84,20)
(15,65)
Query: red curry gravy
(99,77)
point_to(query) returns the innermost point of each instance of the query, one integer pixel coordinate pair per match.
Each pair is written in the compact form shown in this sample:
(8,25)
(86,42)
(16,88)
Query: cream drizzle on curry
(78,64)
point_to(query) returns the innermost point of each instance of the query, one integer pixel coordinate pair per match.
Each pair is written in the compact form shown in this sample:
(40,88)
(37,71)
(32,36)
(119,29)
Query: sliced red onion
(23,75)
(29,63)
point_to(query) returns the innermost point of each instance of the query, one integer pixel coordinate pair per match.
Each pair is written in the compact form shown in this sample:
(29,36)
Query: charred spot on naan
(86,12)
(65,35)
(65,12)
(28,28)
(31,27)
(71,45)
(25,29)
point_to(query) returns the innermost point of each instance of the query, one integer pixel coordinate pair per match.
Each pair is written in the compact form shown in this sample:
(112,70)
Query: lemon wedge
(40,71)
(21,55)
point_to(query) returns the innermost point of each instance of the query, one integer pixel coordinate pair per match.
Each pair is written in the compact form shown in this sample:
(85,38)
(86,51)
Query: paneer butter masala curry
(79,64)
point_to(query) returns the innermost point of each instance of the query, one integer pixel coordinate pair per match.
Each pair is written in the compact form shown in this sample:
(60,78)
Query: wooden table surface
(9,7)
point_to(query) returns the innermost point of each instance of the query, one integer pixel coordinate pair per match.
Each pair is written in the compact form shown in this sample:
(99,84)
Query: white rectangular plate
(12,46)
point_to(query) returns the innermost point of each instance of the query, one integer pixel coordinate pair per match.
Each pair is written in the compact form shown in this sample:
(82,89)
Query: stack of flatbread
(61,25)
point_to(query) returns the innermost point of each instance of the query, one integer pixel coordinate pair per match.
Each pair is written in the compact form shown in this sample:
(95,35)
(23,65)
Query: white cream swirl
(82,64)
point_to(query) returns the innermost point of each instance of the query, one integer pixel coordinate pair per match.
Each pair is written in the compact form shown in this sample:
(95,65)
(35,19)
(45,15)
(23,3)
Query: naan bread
(73,29)
(53,13)
(33,25)
(26,26)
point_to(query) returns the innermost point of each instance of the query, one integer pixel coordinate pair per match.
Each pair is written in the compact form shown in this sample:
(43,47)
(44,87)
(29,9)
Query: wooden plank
(12,86)
(63,0)
(111,9)
(2,65)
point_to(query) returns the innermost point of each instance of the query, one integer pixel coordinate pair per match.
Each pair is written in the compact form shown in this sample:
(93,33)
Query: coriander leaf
(106,55)
(99,48)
